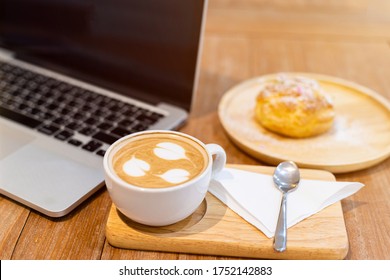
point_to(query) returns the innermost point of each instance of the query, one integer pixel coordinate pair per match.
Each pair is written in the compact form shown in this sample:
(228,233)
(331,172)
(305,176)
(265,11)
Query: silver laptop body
(45,162)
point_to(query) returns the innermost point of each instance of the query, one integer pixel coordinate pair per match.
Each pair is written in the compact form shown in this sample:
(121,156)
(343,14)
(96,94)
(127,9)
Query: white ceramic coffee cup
(161,206)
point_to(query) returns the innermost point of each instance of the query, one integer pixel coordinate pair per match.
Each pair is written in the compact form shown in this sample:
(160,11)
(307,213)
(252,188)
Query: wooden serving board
(214,229)
(358,139)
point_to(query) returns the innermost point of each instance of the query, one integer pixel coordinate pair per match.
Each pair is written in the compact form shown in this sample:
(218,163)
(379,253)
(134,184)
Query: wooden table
(244,39)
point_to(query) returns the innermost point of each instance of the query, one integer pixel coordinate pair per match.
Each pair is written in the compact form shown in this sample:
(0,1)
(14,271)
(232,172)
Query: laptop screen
(144,49)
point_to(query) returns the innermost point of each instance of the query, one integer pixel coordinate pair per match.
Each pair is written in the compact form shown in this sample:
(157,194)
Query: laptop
(75,76)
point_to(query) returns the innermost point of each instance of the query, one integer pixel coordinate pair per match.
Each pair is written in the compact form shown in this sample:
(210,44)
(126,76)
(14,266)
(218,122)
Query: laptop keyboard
(66,112)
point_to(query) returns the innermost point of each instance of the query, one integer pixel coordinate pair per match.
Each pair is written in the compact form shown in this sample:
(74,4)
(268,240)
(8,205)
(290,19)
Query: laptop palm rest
(42,178)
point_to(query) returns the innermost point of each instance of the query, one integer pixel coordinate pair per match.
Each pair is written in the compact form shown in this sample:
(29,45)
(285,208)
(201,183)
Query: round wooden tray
(359,138)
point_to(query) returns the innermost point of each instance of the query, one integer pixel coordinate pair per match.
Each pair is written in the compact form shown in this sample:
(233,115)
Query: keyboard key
(114,117)
(87,131)
(52,107)
(105,126)
(101,113)
(11,103)
(87,108)
(35,111)
(156,115)
(115,108)
(74,126)
(143,111)
(146,119)
(22,106)
(44,116)
(60,121)
(73,104)
(78,116)
(40,79)
(101,153)
(61,99)
(31,85)
(27,74)
(40,102)
(126,123)
(102,103)
(129,108)
(65,111)
(64,134)
(75,142)
(44,90)
(64,86)
(106,138)
(120,131)
(91,121)
(92,146)
(48,129)
(139,127)
(19,118)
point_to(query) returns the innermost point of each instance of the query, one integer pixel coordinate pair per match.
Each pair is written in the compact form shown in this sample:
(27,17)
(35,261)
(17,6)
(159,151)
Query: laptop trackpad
(12,140)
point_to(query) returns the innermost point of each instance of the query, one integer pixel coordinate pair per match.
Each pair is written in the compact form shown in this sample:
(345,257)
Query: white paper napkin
(254,197)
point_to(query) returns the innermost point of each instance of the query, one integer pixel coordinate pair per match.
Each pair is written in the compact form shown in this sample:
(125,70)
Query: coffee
(160,177)
(159,160)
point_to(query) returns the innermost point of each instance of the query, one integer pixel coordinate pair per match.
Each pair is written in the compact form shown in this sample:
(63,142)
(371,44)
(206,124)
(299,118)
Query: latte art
(176,176)
(158,161)
(135,167)
(165,150)
(169,151)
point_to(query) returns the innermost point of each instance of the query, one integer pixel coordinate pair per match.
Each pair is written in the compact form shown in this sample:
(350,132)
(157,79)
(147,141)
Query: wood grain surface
(244,39)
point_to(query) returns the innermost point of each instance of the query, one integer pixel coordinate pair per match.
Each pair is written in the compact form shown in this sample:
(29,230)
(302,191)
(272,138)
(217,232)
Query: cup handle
(219,160)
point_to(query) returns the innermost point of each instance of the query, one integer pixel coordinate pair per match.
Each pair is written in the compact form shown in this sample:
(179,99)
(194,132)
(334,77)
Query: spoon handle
(281,227)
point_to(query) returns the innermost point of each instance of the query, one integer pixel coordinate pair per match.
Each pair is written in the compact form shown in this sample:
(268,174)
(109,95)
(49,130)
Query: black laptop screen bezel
(146,49)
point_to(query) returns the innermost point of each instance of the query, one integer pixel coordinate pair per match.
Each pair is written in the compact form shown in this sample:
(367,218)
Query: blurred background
(247,38)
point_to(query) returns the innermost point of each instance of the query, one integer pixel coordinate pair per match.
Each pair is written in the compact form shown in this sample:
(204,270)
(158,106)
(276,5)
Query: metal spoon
(286,178)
